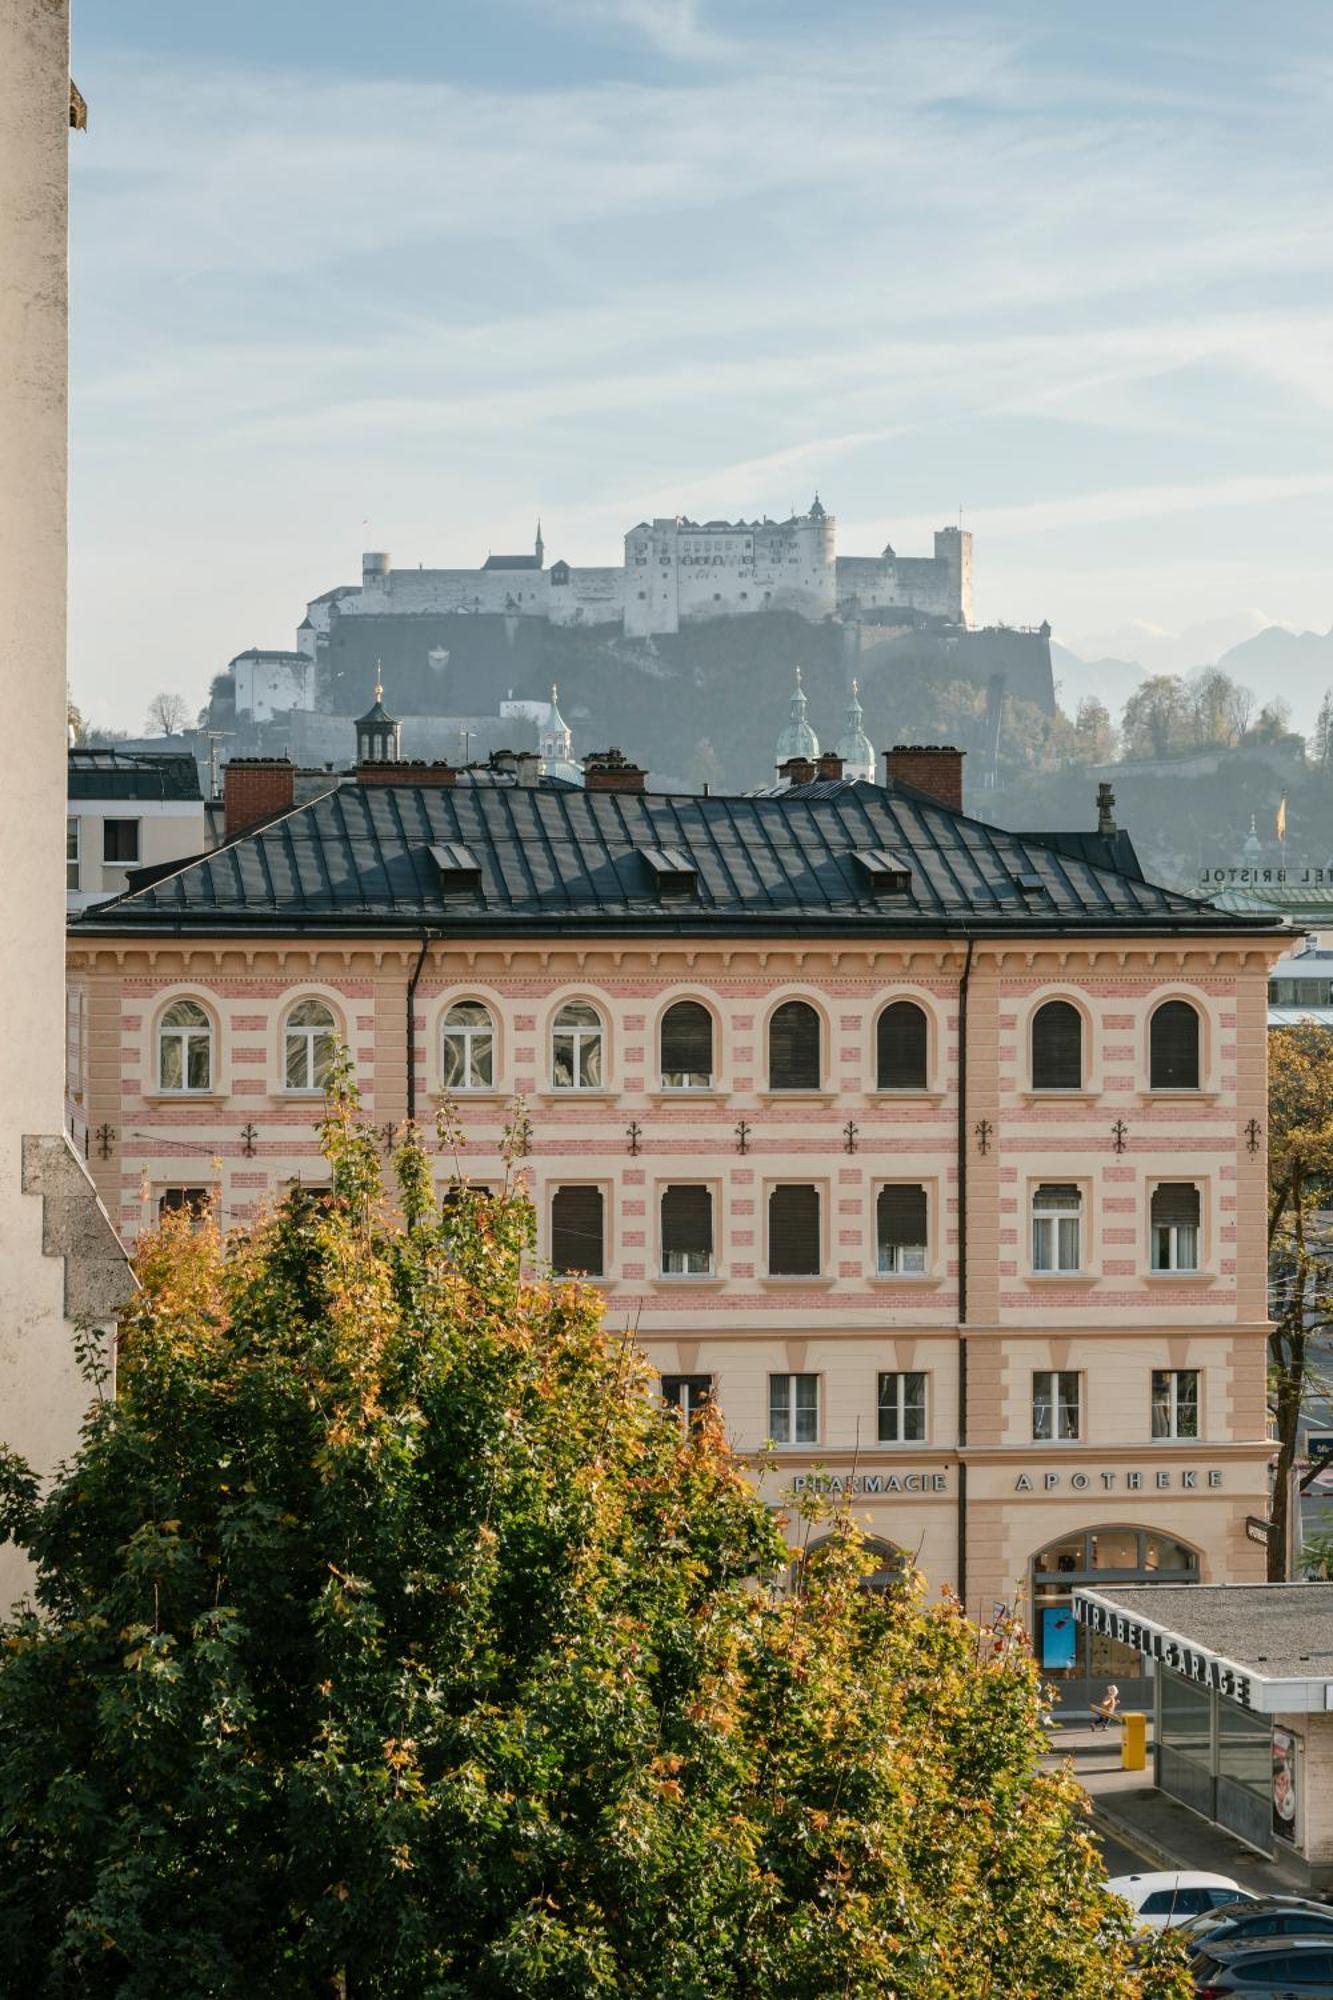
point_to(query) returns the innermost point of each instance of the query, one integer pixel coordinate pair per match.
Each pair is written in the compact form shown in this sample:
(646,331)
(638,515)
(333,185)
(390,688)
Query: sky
(406,277)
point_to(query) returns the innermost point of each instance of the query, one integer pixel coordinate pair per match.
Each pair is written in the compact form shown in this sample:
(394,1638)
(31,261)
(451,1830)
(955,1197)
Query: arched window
(687,1047)
(793,1047)
(310,1045)
(185,1048)
(1173,1047)
(468,1061)
(901,1046)
(891,1565)
(576,1047)
(1057,1047)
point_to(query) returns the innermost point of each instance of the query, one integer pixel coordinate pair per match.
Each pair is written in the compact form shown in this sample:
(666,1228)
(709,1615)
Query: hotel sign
(1180,1480)
(1193,1663)
(1266,878)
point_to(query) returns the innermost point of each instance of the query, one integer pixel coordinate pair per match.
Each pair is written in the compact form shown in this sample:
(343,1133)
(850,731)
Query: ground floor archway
(1081,1664)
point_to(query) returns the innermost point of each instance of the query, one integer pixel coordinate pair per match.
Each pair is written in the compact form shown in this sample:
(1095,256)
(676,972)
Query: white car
(1167,1898)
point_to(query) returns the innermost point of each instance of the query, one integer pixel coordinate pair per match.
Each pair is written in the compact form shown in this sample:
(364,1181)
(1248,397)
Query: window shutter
(901,1047)
(793,1048)
(1057,1047)
(793,1232)
(576,1230)
(687,1040)
(687,1219)
(1175,1202)
(902,1217)
(1174,1047)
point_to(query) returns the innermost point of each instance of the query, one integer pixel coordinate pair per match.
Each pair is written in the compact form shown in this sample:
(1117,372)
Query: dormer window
(888,874)
(674,874)
(457,866)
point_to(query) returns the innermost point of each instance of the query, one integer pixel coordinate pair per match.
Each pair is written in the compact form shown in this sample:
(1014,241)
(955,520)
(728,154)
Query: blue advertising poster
(1058,1635)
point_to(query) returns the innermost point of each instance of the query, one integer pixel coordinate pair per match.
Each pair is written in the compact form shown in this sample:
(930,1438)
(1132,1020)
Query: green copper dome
(798,739)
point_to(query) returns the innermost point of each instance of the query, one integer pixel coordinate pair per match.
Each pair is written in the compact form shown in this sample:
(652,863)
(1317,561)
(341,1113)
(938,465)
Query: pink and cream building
(933,1153)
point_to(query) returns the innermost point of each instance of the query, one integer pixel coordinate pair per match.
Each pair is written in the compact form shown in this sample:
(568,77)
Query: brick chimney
(797,771)
(611,771)
(253,788)
(830,764)
(403,771)
(933,768)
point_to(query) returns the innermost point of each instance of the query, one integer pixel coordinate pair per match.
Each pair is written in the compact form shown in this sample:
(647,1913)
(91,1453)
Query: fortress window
(1173,1047)
(687,1047)
(793,1048)
(1057,1047)
(310,1046)
(185,1048)
(469,1047)
(902,1042)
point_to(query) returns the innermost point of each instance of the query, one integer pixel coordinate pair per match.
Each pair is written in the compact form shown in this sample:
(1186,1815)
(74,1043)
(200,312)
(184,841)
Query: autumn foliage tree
(1300,1174)
(391,1639)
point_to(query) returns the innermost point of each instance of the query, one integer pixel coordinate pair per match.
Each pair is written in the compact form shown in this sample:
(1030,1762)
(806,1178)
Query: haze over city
(419,277)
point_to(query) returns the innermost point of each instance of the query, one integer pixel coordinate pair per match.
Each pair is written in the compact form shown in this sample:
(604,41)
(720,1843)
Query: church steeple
(798,739)
(539,545)
(378,734)
(856,750)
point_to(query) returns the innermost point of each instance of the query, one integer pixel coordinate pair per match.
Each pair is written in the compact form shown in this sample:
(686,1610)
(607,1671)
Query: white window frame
(579,1035)
(1173,1405)
(308,1036)
(73,852)
(901,1405)
(1049,1233)
(796,1410)
(1055,1381)
(686,1408)
(182,1035)
(1168,1238)
(470,1035)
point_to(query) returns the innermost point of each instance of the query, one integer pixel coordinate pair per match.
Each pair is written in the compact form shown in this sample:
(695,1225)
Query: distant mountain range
(1271,659)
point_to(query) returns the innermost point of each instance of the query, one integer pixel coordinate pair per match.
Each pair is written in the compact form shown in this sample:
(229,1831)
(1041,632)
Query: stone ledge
(76,1227)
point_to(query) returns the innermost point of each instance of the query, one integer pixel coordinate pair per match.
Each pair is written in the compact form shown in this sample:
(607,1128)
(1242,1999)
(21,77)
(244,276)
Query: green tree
(1300,1172)
(391,1639)
(1157,719)
(1095,736)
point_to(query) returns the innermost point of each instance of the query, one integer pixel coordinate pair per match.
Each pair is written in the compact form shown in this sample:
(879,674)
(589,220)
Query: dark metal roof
(511,562)
(101,771)
(360,857)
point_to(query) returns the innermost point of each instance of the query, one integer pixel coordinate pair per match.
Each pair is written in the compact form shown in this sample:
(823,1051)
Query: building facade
(933,1154)
(127,810)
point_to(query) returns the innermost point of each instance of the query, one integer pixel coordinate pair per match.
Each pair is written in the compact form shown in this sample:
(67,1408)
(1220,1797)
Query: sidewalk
(1128,1806)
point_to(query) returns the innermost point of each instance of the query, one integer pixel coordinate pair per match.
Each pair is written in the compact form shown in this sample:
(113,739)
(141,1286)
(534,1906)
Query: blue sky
(403,277)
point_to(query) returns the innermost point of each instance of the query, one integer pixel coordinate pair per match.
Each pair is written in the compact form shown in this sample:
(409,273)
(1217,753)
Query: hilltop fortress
(675,571)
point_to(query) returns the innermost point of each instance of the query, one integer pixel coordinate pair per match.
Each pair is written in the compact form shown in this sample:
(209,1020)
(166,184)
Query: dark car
(1293,1968)
(1270,1917)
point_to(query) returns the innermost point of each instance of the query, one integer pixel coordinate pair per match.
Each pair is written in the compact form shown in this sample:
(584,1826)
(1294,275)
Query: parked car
(1162,1900)
(1277,1969)
(1268,1917)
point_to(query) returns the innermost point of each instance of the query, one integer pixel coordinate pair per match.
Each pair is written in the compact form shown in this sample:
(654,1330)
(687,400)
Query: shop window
(690,1394)
(1057,1227)
(1057,1047)
(793,1232)
(576,1048)
(687,1046)
(687,1231)
(902,1408)
(1175,1402)
(1175,1226)
(902,1045)
(469,1047)
(793,1047)
(793,1409)
(901,1230)
(1055,1405)
(1173,1047)
(1067,1652)
(577,1243)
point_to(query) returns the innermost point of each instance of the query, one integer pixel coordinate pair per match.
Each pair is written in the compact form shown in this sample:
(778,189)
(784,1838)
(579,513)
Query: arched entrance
(890,1562)
(1080,1664)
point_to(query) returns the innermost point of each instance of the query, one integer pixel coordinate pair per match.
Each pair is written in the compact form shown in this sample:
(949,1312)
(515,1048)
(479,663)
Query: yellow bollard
(1134,1742)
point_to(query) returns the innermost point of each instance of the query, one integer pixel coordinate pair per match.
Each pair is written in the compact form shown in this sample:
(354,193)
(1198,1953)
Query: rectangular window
(193,1201)
(71,854)
(1175,1402)
(900,1222)
(576,1232)
(793,1232)
(687,1393)
(687,1232)
(793,1409)
(1175,1226)
(1057,1216)
(1055,1405)
(902,1408)
(120,842)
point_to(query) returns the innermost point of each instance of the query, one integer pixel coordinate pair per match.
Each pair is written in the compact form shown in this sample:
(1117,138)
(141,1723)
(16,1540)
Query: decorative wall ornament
(1119,1135)
(984,1130)
(633,1134)
(1254,1132)
(743,1130)
(106,1139)
(249,1136)
(849,1132)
